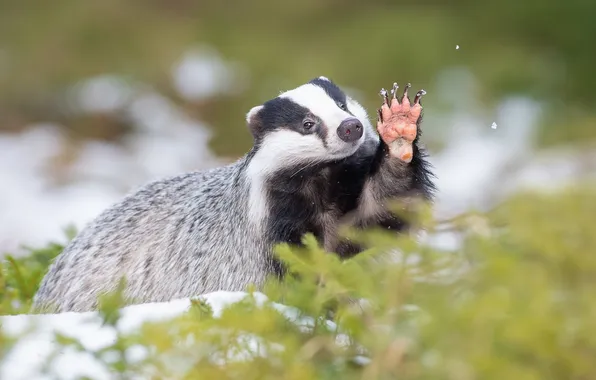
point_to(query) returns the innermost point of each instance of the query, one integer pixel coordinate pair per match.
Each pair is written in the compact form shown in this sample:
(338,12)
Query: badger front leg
(400,169)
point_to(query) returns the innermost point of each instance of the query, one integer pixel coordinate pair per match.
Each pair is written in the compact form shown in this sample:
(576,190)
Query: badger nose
(350,130)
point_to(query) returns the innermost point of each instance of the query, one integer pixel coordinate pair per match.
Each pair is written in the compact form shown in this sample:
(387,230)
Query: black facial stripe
(322,131)
(283,113)
(331,89)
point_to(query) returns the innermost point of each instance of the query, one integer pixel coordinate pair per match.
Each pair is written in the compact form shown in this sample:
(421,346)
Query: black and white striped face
(315,122)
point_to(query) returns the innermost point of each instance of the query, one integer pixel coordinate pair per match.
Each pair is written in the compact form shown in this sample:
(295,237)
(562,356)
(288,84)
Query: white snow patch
(202,73)
(36,336)
(106,93)
(36,207)
(474,160)
(36,340)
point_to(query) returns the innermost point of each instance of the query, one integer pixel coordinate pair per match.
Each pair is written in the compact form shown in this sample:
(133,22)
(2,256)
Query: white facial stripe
(280,149)
(284,148)
(322,105)
(318,102)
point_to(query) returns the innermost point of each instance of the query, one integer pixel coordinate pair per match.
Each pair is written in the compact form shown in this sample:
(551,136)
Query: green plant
(513,301)
(20,276)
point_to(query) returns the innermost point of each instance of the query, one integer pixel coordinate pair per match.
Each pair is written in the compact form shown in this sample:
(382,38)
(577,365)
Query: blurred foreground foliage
(515,300)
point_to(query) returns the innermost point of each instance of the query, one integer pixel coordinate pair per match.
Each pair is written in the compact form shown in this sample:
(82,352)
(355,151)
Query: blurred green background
(543,49)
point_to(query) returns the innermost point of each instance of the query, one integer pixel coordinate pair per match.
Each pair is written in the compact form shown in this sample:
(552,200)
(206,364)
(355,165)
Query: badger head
(314,123)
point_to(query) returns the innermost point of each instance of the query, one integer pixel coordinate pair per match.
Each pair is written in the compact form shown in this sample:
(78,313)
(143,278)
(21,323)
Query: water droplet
(494,125)
(456,47)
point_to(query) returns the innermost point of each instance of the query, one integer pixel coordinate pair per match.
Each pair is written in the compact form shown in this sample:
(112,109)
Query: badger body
(316,160)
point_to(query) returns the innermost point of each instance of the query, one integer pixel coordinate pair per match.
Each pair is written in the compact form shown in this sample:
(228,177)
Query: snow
(105,93)
(37,342)
(28,356)
(493,125)
(202,73)
(474,160)
(38,204)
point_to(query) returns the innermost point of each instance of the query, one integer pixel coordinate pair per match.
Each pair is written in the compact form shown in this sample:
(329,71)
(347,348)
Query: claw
(385,96)
(394,90)
(380,115)
(419,95)
(406,91)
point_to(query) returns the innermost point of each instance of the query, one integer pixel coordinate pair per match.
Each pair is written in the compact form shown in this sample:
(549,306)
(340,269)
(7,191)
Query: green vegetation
(514,301)
(20,276)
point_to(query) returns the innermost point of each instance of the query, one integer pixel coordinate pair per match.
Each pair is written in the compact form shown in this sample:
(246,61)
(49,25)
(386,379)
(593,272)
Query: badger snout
(350,130)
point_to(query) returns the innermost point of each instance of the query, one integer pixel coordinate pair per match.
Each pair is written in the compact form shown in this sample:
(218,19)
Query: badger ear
(252,120)
(251,115)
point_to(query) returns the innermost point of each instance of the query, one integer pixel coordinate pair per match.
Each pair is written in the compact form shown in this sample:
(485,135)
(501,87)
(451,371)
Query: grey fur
(165,238)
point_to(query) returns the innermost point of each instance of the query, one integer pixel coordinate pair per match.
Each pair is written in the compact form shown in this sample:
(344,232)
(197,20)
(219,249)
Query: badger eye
(342,106)
(308,124)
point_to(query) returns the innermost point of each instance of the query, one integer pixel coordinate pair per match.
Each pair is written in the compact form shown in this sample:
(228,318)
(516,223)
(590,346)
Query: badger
(316,162)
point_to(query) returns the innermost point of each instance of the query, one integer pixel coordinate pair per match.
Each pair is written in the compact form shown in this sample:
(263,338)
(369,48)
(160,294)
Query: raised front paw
(397,122)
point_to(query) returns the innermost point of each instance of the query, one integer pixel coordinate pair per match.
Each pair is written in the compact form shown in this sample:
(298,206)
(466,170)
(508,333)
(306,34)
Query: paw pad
(397,121)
